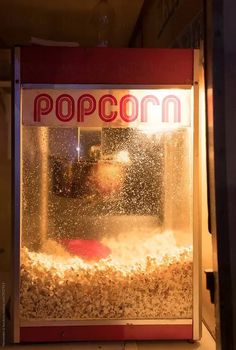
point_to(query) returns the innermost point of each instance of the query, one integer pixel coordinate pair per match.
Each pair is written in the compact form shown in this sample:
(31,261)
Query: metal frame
(16,200)
(57,322)
(103,86)
(195,321)
(196,207)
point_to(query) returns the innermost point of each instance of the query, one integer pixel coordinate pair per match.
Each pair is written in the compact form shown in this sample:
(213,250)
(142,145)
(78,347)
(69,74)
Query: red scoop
(87,249)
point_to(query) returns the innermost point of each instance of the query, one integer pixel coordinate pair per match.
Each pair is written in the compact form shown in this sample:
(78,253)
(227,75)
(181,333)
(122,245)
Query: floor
(206,343)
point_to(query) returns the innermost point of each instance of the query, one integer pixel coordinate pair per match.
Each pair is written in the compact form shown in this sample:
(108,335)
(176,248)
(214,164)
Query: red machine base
(105,333)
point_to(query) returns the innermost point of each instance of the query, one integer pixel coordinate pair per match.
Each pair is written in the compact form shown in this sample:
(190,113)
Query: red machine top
(64,65)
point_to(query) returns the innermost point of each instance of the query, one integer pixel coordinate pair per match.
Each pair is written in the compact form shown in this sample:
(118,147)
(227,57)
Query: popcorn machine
(106,224)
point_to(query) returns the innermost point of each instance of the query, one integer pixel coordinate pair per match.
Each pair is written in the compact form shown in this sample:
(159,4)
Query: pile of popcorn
(146,281)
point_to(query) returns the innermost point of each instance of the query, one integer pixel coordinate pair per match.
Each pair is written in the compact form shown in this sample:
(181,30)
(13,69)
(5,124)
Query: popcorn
(66,287)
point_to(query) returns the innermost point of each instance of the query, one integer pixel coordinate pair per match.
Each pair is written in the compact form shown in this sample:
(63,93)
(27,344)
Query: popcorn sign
(103,107)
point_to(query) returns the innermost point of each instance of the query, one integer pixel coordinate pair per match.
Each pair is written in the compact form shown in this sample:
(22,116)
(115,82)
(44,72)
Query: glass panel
(107,219)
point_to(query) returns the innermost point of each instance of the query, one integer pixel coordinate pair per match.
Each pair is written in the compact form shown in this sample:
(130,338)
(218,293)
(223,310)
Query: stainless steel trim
(196,207)
(16,149)
(54,322)
(103,86)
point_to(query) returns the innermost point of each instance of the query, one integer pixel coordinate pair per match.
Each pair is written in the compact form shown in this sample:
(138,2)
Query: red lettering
(108,107)
(86,106)
(60,102)
(167,101)
(144,103)
(133,102)
(102,108)
(43,104)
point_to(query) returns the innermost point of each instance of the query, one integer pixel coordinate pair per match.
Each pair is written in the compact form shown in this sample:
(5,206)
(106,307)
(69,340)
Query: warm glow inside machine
(106,224)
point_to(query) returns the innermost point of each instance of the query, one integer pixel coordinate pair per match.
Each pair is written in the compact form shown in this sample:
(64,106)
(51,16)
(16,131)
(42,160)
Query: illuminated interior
(107,210)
